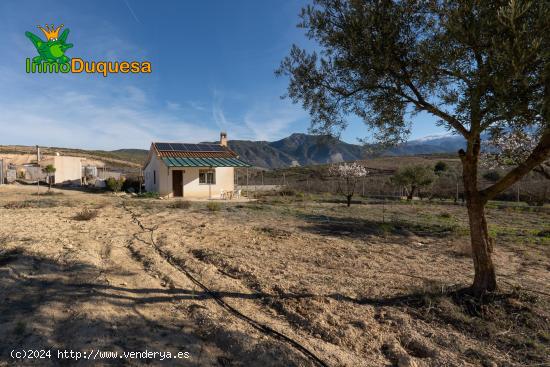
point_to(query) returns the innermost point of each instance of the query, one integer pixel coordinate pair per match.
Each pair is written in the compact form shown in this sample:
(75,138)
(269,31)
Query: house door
(177,183)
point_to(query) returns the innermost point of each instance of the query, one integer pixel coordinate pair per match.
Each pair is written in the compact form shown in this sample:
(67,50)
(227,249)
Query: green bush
(440,167)
(213,206)
(114,184)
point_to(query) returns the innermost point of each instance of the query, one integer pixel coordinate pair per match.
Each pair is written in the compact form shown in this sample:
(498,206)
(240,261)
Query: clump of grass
(148,195)
(446,215)
(86,215)
(31,204)
(48,193)
(18,204)
(180,204)
(274,232)
(545,233)
(213,206)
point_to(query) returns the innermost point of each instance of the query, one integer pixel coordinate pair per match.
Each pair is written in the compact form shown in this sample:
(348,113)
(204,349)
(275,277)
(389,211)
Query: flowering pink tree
(509,149)
(347,174)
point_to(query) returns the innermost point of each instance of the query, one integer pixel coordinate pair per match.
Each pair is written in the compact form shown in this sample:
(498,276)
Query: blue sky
(212,62)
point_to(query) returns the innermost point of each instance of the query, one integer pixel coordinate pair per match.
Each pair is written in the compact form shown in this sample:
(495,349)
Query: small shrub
(86,214)
(131,184)
(287,192)
(114,184)
(440,167)
(213,206)
(544,233)
(180,204)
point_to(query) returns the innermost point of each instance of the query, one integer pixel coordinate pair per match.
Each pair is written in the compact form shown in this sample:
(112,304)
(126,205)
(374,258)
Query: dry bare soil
(291,281)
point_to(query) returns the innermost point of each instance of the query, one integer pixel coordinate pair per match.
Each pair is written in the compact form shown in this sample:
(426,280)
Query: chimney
(223,139)
(37,154)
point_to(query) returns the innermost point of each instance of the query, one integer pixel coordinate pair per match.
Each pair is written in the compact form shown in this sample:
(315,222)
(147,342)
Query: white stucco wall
(161,184)
(191,187)
(68,170)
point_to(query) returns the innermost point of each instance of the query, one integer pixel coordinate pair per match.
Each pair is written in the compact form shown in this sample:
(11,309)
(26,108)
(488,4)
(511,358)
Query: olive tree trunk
(482,248)
(482,244)
(410,196)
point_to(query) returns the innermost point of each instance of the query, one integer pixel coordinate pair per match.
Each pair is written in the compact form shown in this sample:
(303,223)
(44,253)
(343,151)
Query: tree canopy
(480,67)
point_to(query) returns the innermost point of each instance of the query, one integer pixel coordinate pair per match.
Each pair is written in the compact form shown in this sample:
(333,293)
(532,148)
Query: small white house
(191,170)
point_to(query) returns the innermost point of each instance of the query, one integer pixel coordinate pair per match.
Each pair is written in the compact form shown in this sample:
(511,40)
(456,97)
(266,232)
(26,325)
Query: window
(154,177)
(207,177)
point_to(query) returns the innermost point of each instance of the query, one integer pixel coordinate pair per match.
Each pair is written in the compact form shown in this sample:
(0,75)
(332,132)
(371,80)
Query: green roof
(204,162)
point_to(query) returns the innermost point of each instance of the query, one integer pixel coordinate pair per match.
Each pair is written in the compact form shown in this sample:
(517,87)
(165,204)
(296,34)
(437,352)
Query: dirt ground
(288,281)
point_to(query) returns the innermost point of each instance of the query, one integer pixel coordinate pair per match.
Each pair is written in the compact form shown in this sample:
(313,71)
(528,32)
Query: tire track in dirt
(263,328)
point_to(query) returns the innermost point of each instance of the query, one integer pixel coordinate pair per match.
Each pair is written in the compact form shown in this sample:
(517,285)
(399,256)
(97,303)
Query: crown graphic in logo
(51,33)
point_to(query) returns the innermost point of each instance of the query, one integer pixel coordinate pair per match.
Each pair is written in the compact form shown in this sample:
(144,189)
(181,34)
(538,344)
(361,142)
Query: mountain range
(303,149)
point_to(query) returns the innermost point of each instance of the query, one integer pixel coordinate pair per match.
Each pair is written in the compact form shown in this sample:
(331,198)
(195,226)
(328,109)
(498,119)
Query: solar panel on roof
(183,147)
(164,146)
(178,147)
(211,148)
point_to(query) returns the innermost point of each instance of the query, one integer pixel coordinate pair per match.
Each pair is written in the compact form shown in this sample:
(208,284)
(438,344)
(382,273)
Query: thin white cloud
(261,121)
(272,122)
(94,121)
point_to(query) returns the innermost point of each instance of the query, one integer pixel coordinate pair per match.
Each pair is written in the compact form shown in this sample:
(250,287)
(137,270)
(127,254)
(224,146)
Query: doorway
(177,183)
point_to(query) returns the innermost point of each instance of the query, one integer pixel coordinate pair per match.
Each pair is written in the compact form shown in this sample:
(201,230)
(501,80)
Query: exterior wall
(191,186)
(192,189)
(68,170)
(163,182)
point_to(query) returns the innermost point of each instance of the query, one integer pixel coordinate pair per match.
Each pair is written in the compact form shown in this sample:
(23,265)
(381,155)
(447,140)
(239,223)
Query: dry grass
(371,285)
(213,206)
(180,204)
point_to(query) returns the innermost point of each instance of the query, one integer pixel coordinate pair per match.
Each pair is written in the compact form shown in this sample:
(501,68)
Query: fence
(378,184)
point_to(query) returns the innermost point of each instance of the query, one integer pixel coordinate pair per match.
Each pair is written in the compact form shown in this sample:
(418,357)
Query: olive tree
(347,175)
(49,170)
(413,178)
(478,67)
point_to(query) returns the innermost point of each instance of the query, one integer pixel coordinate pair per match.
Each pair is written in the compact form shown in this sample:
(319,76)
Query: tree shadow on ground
(43,306)
(325,225)
(39,299)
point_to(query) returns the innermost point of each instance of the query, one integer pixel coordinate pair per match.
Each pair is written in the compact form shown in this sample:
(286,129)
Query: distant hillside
(129,158)
(297,149)
(305,149)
